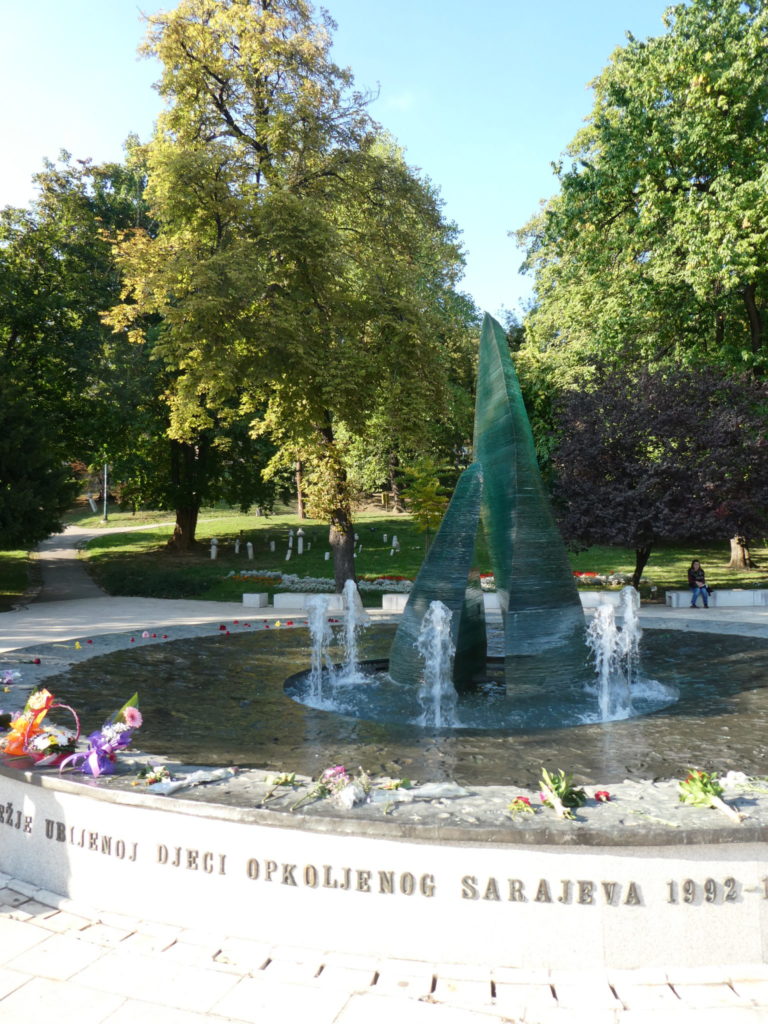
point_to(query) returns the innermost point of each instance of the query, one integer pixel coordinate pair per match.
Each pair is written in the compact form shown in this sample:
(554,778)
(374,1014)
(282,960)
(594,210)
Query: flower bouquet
(103,745)
(28,736)
(559,793)
(702,789)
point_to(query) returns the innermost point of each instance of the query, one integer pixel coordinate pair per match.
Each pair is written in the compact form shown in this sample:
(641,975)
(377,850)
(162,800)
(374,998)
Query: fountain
(437,694)
(544,653)
(617,654)
(632,883)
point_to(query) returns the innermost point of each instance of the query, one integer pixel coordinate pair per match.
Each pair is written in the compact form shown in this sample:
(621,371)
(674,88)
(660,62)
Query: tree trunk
(184,531)
(187,469)
(299,492)
(740,557)
(394,487)
(341,537)
(755,318)
(642,554)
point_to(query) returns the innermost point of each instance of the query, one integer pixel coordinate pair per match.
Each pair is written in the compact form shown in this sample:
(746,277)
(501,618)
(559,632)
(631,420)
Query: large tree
(56,275)
(675,454)
(86,394)
(302,273)
(656,246)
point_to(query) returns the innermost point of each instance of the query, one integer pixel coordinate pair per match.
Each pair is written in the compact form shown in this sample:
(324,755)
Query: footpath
(68,963)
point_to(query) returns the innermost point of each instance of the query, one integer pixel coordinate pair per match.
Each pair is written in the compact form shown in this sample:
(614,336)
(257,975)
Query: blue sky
(482,96)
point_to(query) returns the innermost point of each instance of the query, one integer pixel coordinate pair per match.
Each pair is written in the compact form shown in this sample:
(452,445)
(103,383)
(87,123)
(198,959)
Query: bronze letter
(542,893)
(491,890)
(585,892)
(634,899)
(516,894)
(469,888)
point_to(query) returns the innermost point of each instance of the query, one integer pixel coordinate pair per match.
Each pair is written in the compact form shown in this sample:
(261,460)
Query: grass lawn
(14,577)
(138,563)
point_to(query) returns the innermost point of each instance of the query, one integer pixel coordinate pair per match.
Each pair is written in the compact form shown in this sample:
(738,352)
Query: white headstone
(385,537)
(237,546)
(300,544)
(288,554)
(271,545)
(249,550)
(214,547)
(327,555)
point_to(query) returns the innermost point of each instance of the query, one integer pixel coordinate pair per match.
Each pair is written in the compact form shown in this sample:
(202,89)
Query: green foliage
(656,246)
(14,577)
(36,486)
(425,495)
(302,274)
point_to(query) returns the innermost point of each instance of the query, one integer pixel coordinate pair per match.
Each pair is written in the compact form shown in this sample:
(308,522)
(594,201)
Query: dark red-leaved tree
(670,454)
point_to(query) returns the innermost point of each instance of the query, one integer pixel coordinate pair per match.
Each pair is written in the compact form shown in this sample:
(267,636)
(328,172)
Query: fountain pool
(222,700)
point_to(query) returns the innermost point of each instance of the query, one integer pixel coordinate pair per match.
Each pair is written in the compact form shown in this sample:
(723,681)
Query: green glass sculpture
(448,575)
(540,606)
(541,612)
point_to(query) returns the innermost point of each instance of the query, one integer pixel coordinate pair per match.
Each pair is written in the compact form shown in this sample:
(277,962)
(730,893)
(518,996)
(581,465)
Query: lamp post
(105,517)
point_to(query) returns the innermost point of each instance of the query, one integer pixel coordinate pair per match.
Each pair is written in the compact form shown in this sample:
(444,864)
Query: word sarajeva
(576,891)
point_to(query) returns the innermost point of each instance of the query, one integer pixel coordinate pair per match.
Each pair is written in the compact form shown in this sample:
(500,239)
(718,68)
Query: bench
(298,602)
(594,598)
(724,598)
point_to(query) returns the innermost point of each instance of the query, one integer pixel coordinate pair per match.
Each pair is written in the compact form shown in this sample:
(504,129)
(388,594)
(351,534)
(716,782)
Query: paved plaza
(62,961)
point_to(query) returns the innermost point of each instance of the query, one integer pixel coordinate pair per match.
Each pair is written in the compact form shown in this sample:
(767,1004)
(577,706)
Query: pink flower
(602,796)
(145,635)
(132,718)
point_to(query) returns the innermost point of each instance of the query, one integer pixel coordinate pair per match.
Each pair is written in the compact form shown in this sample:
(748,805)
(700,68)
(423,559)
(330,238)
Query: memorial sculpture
(501,492)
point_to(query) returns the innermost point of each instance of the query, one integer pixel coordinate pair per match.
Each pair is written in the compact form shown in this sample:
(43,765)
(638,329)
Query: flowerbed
(319,584)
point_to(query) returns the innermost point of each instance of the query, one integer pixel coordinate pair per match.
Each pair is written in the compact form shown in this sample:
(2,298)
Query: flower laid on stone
(602,796)
(702,789)
(520,805)
(103,745)
(276,782)
(150,774)
(392,784)
(337,783)
(28,736)
(9,677)
(559,793)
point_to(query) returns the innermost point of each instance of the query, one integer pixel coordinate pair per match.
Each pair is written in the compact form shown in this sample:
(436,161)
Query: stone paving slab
(90,972)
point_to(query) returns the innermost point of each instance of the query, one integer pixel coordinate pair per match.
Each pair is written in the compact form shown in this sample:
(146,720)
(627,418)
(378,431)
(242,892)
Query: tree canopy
(656,246)
(302,274)
(672,454)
